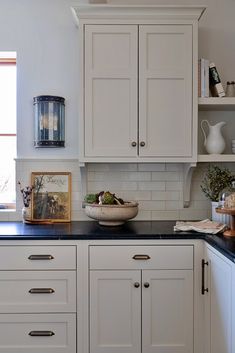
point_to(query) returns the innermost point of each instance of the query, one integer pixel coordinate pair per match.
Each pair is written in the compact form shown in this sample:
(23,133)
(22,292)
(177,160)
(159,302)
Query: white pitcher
(214,142)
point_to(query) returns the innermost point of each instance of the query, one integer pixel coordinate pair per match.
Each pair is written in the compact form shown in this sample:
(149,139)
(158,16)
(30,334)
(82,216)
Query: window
(7,129)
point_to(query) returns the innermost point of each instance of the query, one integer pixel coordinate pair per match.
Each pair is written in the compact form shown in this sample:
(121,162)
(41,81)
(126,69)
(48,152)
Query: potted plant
(214,181)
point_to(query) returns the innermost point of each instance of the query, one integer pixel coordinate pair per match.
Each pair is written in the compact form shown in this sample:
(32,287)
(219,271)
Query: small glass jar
(227,197)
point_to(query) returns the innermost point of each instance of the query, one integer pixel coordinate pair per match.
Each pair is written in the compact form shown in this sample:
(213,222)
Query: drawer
(27,333)
(37,291)
(141,257)
(37,257)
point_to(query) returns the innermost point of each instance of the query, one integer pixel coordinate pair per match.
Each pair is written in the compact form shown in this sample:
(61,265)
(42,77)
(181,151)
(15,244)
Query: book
(216,86)
(203,78)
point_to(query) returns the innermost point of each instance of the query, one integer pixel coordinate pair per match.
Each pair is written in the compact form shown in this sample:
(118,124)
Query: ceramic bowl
(112,215)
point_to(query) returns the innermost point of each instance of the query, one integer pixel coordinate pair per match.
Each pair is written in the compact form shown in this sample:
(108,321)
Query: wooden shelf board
(216,158)
(216,103)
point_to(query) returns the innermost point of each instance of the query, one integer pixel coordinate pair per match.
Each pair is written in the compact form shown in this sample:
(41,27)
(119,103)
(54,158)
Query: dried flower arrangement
(215,180)
(26,194)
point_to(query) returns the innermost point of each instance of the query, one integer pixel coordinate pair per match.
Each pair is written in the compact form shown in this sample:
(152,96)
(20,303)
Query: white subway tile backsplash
(112,186)
(165,215)
(174,205)
(143,215)
(158,187)
(134,195)
(152,205)
(124,176)
(166,195)
(165,176)
(152,167)
(174,185)
(189,214)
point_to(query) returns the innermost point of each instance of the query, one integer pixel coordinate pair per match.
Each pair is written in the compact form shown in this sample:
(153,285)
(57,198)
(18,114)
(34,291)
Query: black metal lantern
(49,113)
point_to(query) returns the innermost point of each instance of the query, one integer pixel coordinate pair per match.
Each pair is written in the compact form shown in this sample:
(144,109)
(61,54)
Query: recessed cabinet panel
(219,305)
(165,91)
(141,257)
(167,315)
(115,307)
(110,90)
(110,123)
(31,333)
(37,291)
(38,258)
(165,124)
(104,59)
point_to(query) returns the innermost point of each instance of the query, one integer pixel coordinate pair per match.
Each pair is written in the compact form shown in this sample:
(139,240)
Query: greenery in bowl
(103,198)
(215,180)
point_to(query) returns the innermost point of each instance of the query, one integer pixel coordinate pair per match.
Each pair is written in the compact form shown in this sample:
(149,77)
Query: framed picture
(51,197)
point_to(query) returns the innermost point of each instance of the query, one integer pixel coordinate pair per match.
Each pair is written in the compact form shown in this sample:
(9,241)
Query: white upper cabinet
(110,124)
(138,83)
(165,91)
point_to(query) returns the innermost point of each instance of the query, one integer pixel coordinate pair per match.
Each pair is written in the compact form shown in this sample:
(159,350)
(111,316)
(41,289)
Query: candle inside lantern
(49,112)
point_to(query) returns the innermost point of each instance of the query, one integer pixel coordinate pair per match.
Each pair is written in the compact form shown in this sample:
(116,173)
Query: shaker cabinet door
(167,311)
(218,301)
(115,311)
(165,91)
(110,124)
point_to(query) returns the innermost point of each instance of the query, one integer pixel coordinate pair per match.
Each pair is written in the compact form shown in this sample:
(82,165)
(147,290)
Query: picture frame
(51,197)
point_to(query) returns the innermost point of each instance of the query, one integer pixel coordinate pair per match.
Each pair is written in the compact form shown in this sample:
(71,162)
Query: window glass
(7,128)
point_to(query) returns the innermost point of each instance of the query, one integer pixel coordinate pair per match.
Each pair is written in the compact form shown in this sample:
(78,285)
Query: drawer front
(142,257)
(27,333)
(37,291)
(37,257)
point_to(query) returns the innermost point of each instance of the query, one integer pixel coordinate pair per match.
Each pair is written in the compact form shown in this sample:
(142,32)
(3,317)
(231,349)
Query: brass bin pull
(41,290)
(141,257)
(40,257)
(41,333)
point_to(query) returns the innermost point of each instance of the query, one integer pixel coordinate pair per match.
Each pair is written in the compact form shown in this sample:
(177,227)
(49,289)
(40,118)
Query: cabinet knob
(146,285)
(142,144)
(136,284)
(133,144)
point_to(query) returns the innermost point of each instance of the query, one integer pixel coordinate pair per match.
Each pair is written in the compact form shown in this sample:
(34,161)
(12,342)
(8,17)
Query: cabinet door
(167,312)
(115,312)
(165,90)
(110,90)
(219,305)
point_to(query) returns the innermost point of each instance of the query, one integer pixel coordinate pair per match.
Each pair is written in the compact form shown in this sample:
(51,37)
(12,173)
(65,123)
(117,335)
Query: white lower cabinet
(218,303)
(38,299)
(37,333)
(145,310)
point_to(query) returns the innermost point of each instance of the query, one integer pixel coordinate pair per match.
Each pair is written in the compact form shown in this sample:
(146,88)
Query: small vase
(26,214)
(218,217)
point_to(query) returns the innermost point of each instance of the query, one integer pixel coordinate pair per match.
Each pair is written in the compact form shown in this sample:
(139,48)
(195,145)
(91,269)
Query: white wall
(45,38)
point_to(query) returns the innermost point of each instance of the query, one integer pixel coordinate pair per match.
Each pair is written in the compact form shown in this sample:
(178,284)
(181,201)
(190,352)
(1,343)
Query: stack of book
(209,80)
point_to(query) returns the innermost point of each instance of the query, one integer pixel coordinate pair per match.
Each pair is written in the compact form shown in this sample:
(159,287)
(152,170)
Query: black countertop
(90,230)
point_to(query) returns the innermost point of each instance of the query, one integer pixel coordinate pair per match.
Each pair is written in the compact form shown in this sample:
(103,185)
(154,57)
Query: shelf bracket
(188,169)
(83,174)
